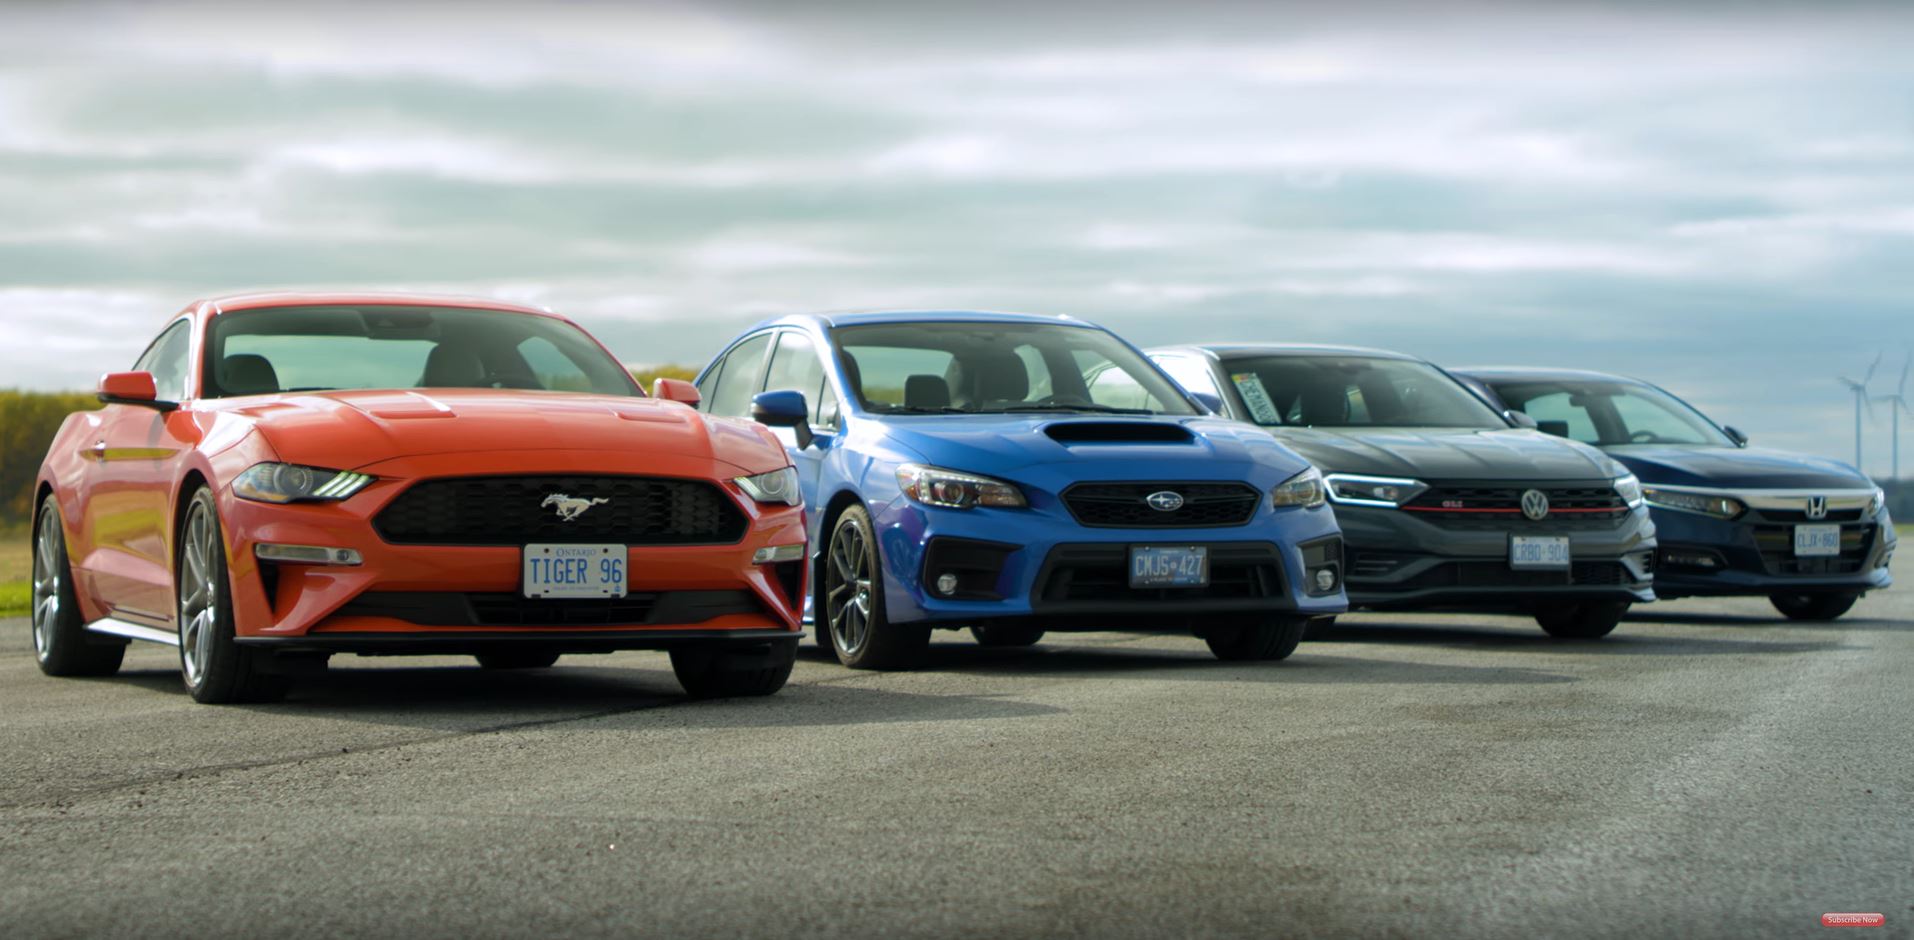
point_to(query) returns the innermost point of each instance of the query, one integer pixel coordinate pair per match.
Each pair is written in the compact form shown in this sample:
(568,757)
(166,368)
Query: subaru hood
(999,444)
(1736,467)
(1433,454)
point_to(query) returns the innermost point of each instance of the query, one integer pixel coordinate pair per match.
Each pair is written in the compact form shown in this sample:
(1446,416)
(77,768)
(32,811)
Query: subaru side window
(738,379)
(167,359)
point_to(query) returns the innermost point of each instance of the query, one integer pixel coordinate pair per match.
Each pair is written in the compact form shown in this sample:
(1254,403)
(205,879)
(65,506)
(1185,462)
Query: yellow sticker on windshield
(1261,409)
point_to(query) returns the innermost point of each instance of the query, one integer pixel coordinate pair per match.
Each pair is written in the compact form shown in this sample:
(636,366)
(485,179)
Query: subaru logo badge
(1165,500)
(1817,507)
(1535,504)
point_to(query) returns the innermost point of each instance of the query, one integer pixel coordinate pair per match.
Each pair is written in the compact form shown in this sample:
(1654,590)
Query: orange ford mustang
(285,477)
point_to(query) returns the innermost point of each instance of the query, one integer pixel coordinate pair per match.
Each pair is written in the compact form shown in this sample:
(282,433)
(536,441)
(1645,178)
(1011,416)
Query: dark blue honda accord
(1810,533)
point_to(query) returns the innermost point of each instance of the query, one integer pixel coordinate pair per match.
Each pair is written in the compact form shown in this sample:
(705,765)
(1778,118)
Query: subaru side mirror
(1213,402)
(1521,419)
(786,409)
(677,390)
(1734,434)
(132,388)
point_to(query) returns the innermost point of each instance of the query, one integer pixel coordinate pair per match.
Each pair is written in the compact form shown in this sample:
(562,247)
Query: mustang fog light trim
(952,489)
(306,554)
(1350,489)
(291,483)
(1305,489)
(1706,504)
(779,486)
(772,554)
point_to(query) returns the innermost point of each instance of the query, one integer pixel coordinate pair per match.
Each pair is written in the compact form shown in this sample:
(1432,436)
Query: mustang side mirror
(677,390)
(785,409)
(133,388)
(1521,419)
(1213,402)
(1734,434)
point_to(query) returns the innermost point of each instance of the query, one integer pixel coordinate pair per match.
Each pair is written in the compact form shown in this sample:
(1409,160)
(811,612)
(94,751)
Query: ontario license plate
(1817,540)
(1538,551)
(575,570)
(1169,566)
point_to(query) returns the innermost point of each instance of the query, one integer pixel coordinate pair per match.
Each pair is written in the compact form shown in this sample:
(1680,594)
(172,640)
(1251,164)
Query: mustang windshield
(1000,368)
(304,349)
(1353,392)
(1611,413)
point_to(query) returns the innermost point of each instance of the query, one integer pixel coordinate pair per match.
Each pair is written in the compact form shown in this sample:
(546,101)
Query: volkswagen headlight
(1305,489)
(1387,492)
(778,486)
(951,489)
(292,483)
(1707,504)
(1629,488)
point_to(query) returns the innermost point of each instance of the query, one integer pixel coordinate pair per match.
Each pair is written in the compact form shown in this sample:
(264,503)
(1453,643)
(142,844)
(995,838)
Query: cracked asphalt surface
(1709,770)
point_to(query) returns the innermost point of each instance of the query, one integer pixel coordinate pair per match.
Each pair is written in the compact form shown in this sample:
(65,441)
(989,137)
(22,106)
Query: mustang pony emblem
(569,507)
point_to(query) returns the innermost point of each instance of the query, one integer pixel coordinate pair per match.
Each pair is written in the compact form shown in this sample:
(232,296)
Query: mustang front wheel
(216,669)
(720,672)
(854,601)
(59,634)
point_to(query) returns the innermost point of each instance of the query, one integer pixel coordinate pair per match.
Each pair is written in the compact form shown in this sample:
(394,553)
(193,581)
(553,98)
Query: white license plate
(1170,566)
(1817,540)
(1538,551)
(575,570)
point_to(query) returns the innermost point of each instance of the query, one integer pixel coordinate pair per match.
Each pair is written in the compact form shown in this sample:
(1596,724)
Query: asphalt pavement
(1708,771)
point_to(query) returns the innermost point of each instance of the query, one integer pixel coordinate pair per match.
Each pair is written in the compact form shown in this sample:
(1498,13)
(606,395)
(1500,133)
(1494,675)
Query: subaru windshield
(1001,368)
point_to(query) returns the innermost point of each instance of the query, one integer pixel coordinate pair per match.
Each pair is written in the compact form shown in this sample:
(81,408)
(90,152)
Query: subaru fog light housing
(778,486)
(1387,492)
(951,489)
(290,483)
(1707,504)
(1305,489)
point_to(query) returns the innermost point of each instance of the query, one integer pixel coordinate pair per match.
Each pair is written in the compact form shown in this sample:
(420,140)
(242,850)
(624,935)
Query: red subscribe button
(1853,920)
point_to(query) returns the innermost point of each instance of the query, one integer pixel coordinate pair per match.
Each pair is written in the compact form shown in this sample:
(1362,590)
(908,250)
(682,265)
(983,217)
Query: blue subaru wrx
(1812,534)
(1015,474)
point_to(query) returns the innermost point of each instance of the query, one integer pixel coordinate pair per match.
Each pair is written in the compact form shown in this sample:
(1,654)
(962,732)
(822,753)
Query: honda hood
(1736,467)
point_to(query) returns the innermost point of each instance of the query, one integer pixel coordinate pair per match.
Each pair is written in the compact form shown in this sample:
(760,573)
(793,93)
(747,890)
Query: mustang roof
(1242,350)
(256,300)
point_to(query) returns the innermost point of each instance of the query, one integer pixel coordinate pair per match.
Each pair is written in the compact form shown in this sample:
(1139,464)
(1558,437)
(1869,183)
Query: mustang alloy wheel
(216,670)
(853,601)
(60,640)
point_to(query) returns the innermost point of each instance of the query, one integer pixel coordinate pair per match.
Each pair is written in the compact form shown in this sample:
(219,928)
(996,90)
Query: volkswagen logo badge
(1817,507)
(1535,504)
(1165,500)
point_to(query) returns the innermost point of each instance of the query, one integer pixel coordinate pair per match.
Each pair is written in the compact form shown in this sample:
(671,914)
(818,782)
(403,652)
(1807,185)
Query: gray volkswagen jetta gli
(1445,503)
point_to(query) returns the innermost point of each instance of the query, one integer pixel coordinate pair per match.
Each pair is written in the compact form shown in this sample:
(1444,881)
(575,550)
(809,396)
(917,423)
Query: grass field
(16,567)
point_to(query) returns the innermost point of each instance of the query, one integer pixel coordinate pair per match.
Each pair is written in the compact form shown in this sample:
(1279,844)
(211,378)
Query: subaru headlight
(1305,489)
(778,486)
(1707,504)
(1629,488)
(951,489)
(1387,492)
(291,483)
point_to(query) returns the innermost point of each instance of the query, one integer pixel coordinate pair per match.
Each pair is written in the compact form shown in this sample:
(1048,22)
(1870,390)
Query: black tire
(215,669)
(1581,620)
(1812,606)
(517,659)
(1272,640)
(1007,635)
(726,672)
(852,599)
(1319,628)
(60,639)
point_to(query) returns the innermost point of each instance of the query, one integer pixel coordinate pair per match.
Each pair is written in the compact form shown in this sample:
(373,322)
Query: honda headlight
(778,486)
(950,489)
(291,483)
(1305,489)
(1387,492)
(1707,504)
(1629,488)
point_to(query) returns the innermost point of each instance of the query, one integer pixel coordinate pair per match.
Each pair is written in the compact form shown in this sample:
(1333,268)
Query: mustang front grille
(515,510)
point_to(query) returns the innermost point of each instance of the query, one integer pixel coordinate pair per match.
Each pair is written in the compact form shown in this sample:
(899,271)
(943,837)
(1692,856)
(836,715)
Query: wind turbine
(1897,403)
(1860,400)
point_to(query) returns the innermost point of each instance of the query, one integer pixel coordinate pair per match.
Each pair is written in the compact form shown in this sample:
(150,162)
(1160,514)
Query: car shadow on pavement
(1623,642)
(1058,658)
(1776,622)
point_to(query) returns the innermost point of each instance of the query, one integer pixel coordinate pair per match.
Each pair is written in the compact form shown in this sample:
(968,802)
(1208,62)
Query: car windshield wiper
(1092,409)
(920,410)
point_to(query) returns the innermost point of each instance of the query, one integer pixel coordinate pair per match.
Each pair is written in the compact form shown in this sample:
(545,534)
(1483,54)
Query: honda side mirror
(1734,434)
(785,409)
(133,388)
(1521,419)
(677,390)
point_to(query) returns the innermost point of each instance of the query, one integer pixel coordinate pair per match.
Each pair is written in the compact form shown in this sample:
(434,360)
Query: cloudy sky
(1718,197)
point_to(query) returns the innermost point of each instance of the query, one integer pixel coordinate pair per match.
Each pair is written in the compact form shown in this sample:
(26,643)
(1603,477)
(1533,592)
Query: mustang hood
(349,429)
(1736,467)
(996,444)
(1448,454)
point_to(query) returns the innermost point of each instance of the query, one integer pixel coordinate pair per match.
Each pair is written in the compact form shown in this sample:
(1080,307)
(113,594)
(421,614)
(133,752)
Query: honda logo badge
(1817,507)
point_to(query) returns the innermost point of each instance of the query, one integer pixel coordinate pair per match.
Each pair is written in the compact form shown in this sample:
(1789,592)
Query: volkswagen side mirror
(132,388)
(785,409)
(677,390)
(1213,402)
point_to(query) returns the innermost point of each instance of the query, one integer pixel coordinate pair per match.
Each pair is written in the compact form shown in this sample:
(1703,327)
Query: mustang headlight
(1388,492)
(1305,489)
(291,483)
(1707,504)
(778,486)
(935,486)
(1629,488)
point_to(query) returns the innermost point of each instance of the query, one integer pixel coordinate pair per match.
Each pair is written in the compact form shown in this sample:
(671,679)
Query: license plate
(1169,566)
(1817,540)
(1538,551)
(575,570)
